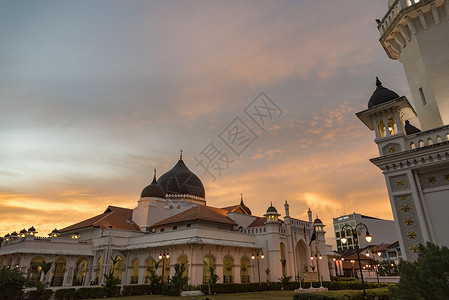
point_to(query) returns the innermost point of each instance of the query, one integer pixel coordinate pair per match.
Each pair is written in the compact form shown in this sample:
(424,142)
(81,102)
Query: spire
(180,155)
(154,177)
(241,198)
(378,83)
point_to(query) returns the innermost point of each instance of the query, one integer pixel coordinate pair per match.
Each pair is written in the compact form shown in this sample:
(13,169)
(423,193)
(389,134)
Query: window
(337,234)
(175,227)
(189,225)
(162,229)
(423,98)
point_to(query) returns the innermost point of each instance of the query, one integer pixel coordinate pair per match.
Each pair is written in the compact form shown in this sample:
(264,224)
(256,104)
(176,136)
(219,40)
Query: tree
(111,283)
(425,278)
(178,281)
(12,282)
(155,280)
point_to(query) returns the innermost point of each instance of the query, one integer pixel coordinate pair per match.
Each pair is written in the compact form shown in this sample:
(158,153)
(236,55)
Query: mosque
(172,224)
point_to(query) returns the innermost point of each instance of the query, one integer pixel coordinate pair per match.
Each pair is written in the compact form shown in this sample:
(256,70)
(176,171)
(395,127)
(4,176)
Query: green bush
(65,294)
(12,282)
(225,288)
(91,293)
(378,293)
(136,290)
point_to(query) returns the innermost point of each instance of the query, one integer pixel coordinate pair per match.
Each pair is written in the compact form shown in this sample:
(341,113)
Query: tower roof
(381,95)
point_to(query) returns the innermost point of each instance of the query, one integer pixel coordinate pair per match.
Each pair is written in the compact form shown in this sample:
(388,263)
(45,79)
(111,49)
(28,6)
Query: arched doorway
(58,272)
(208,268)
(301,256)
(79,275)
(135,272)
(35,270)
(244,270)
(227,269)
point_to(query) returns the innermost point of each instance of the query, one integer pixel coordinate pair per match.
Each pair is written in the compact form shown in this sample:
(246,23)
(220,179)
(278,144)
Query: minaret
(415,33)
(309,214)
(287,209)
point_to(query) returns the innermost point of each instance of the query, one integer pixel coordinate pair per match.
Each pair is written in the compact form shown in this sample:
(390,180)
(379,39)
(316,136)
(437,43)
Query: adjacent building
(382,231)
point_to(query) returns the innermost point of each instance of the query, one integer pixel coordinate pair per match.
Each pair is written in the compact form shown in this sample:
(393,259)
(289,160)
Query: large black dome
(180,180)
(381,95)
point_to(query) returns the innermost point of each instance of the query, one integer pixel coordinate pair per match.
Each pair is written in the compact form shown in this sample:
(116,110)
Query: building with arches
(172,224)
(415,162)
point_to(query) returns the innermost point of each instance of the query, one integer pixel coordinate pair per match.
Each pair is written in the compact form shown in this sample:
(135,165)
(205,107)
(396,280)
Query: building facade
(172,224)
(383,231)
(415,162)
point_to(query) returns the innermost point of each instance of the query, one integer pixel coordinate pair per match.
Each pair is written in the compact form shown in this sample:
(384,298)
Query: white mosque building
(415,162)
(173,224)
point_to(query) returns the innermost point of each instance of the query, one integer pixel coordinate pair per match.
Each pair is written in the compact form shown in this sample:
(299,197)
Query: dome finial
(378,83)
(180,155)
(241,198)
(154,177)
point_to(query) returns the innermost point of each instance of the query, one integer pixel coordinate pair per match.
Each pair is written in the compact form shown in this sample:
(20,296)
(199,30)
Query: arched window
(283,260)
(99,265)
(208,269)
(182,260)
(421,143)
(244,272)
(80,272)
(439,139)
(58,272)
(392,126)
(227,269)
(149,269)
(412,145)
(381,128)
(35,270)
(429,141)
(135,272)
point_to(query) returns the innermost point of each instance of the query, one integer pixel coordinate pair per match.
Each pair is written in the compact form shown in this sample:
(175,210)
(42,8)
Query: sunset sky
(95,94)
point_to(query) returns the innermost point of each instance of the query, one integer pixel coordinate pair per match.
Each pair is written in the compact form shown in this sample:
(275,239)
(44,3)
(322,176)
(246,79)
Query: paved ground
(268,295)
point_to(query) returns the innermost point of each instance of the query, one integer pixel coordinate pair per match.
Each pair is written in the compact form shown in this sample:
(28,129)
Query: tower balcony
(427,138)
(406,18)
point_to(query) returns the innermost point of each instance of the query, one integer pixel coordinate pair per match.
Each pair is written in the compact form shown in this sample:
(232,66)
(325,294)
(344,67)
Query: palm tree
(46,266)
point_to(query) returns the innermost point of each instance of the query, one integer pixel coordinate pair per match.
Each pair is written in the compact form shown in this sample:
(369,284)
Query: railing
(393,11)
(427,138)
(227,279)
(57,281)
(134,279)
(78,281)
(245,279)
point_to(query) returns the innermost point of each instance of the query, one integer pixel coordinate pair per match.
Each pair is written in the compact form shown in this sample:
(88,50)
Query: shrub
(425,278)
(378,293)
(41,293)
(178,281)
(65,294)
(11,283)
(136,290)
(90,293)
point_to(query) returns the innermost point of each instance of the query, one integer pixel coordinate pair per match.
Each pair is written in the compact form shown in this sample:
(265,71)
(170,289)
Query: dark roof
(410,129)
(113,217)
(272,209)
(258,222)
(239,208)
(180,180)
(199,213)
(381,95)
(153,190)
(317,221)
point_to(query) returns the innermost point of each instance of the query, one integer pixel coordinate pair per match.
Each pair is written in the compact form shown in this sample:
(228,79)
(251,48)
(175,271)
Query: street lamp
(368,238)
(339,264)
(256,255)
(317,254)
(163,255)
(353,268)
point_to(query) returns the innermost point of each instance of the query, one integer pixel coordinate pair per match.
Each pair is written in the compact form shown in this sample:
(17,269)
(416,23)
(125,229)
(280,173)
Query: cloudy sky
(95,94)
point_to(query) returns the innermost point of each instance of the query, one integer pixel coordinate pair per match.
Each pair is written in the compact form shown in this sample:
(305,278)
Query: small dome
(153,190)
(31,229)
(272,209)
(317,221)
(381,95)
(410,129)
(246,208)
(180,180)
(23,231)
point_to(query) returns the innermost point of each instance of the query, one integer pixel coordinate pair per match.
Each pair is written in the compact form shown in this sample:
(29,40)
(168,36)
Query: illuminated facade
(415,163)
(172,224)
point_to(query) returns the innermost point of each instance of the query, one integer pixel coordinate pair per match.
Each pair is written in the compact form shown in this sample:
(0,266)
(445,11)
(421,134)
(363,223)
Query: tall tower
(416,32)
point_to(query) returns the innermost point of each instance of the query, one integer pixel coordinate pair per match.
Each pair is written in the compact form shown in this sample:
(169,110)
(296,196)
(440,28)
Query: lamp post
(376,266)
(354,232)
(353,268)
(256,255)
(163,255)
(317,255)
(339,264)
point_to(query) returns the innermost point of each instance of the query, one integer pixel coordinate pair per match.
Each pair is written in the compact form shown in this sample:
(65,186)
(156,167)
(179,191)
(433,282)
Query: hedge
(136,290)
(378,293)
(65,294)
(91,293)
